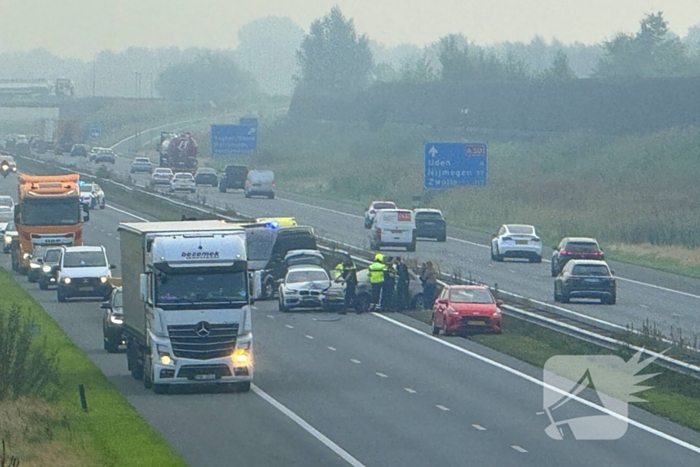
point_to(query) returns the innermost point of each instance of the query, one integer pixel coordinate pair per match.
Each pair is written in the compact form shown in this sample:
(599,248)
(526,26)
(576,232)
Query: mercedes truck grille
(203,341)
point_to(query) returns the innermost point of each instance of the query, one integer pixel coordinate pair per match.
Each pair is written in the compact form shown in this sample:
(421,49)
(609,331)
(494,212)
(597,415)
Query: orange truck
(48,213)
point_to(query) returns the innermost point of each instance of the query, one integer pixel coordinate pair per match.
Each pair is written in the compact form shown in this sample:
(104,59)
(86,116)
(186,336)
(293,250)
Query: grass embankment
(673,396)
(637,194)
(58,432)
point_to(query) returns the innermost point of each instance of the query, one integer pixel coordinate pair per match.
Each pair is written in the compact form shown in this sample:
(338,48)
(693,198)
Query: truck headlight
(103,279)
(241,357)
(165,359)
(66,280)
(46,268)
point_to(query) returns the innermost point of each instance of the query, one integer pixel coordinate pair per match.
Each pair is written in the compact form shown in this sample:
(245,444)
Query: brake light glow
(564,252)
(372,211)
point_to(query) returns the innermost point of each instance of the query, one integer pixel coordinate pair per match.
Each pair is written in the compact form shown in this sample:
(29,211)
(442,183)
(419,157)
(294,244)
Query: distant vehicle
(9,235)
(67,134)
(303,257)
(7,204)
(516,241)
(36,261)
(103,155)
(574,248)
(430,224)
(161,176)
(309,287)
(260,183)
(7,163)
(79,150)
(393,227)
(91,195)
(49,268)
(233,178)
(113,333)
(583,278)
(84,272)
(375,206)
(206,176)
(141,164)
(183,181)
(461,309)
(178,152)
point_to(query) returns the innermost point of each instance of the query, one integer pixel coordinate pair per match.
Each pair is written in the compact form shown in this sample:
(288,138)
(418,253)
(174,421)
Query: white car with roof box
(516,241)
(393,228)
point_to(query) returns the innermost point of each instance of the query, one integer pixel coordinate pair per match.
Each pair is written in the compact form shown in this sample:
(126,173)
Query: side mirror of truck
(143,283)
(104,305)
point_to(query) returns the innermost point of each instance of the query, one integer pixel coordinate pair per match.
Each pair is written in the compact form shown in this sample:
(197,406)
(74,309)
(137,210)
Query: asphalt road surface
(361,390)
(667,302)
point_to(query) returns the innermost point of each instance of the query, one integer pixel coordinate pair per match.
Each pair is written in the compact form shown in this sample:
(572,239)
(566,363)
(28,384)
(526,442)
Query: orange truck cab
(48,213)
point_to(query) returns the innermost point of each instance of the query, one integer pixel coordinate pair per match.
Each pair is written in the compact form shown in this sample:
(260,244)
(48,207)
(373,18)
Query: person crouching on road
(376,279)
(349,277)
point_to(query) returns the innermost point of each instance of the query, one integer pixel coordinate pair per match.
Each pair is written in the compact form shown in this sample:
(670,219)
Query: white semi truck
(187,310)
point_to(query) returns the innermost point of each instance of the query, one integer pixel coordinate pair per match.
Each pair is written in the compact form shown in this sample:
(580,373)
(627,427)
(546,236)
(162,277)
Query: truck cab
(186,306)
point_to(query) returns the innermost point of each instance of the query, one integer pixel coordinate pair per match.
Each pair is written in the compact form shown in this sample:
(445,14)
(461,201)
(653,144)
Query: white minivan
(393,227)
(260,183)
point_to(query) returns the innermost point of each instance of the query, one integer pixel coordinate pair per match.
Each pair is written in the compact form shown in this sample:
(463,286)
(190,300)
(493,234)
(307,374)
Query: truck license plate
(204,377)
(476,323)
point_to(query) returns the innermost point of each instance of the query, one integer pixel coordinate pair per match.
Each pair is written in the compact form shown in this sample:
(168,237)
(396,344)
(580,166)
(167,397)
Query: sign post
(95,131)
(449,165)
(227,140)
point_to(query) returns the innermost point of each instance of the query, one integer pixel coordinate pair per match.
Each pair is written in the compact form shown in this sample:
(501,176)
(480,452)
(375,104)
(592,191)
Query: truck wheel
(148,373)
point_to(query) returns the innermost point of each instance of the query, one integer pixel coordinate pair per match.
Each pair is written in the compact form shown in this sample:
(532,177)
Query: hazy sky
(80,28)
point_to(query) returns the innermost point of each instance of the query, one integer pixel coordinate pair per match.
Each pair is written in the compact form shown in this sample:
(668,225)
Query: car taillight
(598,253)
(563,252)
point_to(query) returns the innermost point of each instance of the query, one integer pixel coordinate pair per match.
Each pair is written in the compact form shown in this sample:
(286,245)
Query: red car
(461,309)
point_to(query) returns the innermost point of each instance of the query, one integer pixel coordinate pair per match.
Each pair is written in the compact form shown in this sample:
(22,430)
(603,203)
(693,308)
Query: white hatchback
(393,228)
(516,241)
(183,181)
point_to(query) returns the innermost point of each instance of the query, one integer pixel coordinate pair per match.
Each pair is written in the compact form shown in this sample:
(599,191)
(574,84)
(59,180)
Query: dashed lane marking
(332,348)
(409,390)
(381,375)
(289,326)
(518,448)
(443,408)
(479,427)
(354,360)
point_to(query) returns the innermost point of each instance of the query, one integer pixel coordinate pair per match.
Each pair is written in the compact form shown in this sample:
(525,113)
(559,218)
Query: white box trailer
(187,309)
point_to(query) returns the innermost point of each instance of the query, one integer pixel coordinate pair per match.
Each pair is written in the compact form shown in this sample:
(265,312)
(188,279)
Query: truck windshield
(201,287)
(65,211)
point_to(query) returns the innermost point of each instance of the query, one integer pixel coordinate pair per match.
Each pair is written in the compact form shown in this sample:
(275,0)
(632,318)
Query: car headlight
(8,239)
(66,280)
(46,268)
(116,319)
(103,279)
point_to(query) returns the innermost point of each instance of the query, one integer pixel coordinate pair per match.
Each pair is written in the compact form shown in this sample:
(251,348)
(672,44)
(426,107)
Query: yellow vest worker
(376,270)
(338,270)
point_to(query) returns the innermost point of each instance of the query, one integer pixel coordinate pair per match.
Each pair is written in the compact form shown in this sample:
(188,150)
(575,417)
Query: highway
(361,390)
(645,296)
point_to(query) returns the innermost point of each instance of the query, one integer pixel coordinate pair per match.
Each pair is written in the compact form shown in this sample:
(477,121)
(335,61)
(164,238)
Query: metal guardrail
(364,257)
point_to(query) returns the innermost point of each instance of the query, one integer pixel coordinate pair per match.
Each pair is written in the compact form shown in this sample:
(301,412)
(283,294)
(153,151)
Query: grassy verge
(632,190)
(674,396)
(111,433)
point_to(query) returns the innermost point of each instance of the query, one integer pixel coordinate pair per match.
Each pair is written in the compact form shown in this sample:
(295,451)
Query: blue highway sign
(449,165)
(95,131)
(227,140)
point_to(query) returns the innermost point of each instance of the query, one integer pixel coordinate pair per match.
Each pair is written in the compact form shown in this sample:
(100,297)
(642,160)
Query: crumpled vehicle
(309,287)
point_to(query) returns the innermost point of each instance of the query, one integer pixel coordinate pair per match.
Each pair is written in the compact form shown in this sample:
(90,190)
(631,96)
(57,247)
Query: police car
(91,195)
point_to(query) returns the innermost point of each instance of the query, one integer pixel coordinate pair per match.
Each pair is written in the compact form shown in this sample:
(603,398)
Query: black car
(583,278)
(79,150)
(113,322)
(430,224)
(574,248)
(48,273)
(103,155)
(233,178)
(206,176)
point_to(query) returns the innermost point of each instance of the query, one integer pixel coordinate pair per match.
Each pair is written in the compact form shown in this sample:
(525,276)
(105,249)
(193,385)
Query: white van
(260,183)
(393,227)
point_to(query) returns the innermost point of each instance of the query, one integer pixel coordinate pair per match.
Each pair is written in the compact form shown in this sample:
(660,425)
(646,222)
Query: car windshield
(65,211)
(471,296)
(187,287)
(383,206)
(52,256)
(183,176)
(10,227)
(306,276)
(590,270)
(84,259)
(118,300)
(6,201)
(582,247)
(6,215)
(142,161)
(521,229)
(424,216)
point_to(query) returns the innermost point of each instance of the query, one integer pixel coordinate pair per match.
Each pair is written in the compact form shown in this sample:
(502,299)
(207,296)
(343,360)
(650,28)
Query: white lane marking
(142,219)
(443,408)
(309,337)
(409,390)
(479,245)
(354,360)
(381,375)
(542,384)
(332,348)
(289,326)
(307,427)
(518,448)
(644,306)
(270,316)
(479,427)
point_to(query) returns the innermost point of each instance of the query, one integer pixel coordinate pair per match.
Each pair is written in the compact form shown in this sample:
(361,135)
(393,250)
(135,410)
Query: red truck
(178,152)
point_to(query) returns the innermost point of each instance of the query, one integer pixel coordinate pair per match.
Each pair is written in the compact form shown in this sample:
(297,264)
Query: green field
(636,193)
(59,432)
